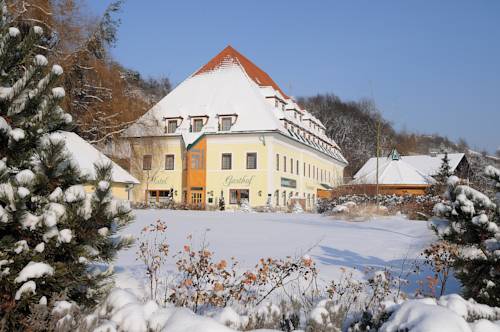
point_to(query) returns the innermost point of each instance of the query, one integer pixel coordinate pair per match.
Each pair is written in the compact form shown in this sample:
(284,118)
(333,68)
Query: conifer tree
(441,177)
(54,235)
(471,220)
(444,170)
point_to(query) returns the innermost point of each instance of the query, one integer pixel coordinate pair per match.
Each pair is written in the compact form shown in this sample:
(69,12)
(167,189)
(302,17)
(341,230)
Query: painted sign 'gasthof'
(241,180)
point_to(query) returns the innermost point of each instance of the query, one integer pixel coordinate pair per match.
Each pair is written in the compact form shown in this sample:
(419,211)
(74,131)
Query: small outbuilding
(395,176)
(86,155)
(404,175)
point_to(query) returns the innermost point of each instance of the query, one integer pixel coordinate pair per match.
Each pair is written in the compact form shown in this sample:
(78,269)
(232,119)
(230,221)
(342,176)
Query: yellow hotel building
(229,131)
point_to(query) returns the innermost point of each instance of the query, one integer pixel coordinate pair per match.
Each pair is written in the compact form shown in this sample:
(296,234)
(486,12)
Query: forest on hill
(103,96)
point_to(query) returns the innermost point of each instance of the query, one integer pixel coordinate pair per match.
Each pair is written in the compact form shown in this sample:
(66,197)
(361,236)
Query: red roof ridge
(253,71)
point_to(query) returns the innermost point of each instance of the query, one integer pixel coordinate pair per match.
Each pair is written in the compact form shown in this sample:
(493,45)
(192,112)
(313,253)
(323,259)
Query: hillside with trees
(353,125)
(103,96)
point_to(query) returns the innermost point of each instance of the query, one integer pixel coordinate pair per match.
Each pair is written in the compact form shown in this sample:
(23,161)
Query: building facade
(228,131)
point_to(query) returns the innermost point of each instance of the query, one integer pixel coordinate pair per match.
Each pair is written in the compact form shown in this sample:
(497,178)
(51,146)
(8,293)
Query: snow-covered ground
(333,244)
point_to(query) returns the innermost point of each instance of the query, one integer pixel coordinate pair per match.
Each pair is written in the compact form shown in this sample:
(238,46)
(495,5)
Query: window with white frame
(147,161)
(226,123)
(226,162)
(252,160)
(171,126)
(169,161)
(197,125)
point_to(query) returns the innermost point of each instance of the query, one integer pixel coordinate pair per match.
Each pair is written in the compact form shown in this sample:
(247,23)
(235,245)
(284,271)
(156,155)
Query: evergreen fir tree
(441,177)
(54,235)
(471,220)
(445,170)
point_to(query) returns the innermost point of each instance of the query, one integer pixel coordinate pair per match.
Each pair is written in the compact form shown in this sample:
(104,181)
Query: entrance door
(197,198)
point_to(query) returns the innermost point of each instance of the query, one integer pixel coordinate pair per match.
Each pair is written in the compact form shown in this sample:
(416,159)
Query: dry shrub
(205,282)
(440,256)
(202,282)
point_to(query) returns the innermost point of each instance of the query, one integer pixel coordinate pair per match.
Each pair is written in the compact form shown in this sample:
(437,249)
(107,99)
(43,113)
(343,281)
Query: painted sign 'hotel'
(230,131)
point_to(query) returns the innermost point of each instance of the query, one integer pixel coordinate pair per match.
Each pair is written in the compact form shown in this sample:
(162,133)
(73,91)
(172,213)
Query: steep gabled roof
(230,56)
(227,84)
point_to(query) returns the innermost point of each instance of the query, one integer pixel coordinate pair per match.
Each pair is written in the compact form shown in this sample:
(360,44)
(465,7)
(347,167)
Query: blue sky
(434,65)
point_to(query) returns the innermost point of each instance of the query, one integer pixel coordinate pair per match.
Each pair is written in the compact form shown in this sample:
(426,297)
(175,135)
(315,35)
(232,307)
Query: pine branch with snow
(55,237)
(471,220)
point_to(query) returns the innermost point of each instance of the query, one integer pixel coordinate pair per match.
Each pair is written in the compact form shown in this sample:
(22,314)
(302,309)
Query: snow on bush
(449,313)
(424,315)
(297,208)
(470,220)
(122,310)
(34,270)
(413,206)
(245,206)
(27,287)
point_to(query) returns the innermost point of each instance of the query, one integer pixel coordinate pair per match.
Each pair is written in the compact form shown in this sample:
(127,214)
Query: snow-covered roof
(228,84)
(425,164)
(85,156)
(430,165)
(417,169)
(392,172)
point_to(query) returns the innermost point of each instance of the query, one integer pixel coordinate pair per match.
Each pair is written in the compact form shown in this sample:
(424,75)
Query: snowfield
(333,244)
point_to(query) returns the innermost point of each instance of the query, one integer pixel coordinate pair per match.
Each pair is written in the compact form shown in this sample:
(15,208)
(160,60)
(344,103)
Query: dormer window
(226,123)
(171,126)
(197,125)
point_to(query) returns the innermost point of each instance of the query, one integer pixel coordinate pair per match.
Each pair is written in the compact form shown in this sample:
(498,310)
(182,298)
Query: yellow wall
(238,177)
(261,182)
(158,178)
(306,186)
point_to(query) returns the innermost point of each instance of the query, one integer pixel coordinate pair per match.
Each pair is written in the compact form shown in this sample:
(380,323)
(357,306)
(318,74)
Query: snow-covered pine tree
(471,220)
(441,177)
(444,170)
(53,234)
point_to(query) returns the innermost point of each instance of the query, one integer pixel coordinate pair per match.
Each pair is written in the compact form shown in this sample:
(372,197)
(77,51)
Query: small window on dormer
(197,125)
(171,126)
(226,123)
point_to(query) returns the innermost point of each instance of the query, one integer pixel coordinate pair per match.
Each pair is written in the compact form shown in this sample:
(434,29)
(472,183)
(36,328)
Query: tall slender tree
(53,234)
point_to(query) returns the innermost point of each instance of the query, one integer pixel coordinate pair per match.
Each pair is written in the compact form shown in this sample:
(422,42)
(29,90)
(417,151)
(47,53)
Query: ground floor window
(237,195)
(159,195)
